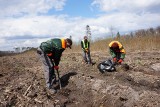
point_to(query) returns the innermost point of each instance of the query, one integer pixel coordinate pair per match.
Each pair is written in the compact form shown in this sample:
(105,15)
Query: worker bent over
(50,53)
(117,52)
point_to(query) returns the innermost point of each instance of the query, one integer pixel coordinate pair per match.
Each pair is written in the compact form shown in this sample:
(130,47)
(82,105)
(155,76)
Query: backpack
(106,66)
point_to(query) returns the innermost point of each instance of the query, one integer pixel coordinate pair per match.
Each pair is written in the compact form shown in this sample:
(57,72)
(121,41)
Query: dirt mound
(22,82)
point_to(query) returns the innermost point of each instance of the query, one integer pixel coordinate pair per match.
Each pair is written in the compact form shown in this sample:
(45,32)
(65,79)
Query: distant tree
(131,34)
(17,49)
(88,32)
(70,37)
(118,36)
(158,30)
(141,32)
(112,31)
(23,48)
(151,30)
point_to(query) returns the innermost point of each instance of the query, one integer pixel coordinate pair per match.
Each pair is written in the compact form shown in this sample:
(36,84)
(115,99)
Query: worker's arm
(82,46)
(122,55)
(88,45)
(123,52)
(112,53)
(57,56)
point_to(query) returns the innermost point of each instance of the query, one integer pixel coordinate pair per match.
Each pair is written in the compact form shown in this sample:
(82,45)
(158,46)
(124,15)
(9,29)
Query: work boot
(93,63)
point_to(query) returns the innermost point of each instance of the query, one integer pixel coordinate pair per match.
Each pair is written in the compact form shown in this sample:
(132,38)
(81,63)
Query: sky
(27,23)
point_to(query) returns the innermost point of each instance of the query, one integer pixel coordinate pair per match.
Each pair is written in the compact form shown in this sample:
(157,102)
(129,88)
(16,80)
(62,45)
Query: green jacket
(114,53)
(54,46)
(120,50)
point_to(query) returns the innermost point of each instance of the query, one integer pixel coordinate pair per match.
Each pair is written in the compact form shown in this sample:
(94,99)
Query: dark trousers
(87,57)
(48,66)
(118,55)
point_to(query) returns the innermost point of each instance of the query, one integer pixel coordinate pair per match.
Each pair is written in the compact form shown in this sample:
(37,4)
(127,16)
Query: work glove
(56,67)
(49,54)
(120,61)
(114,59)
(86,50)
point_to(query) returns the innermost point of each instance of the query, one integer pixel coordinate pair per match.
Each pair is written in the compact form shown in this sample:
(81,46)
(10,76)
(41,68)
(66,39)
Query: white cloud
(53,26)
(38,25)
(33,42)
(21,7)
(31,30)
(2,41)
(6,45)
(128,5)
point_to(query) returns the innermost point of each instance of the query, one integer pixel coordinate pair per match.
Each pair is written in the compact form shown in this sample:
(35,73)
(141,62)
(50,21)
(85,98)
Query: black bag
(106,66)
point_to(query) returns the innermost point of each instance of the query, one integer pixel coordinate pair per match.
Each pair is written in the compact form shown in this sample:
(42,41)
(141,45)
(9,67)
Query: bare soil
(22,82)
